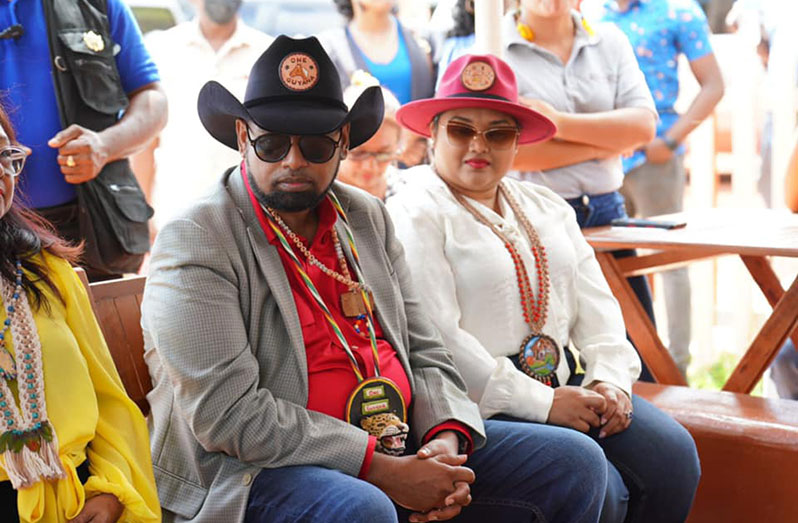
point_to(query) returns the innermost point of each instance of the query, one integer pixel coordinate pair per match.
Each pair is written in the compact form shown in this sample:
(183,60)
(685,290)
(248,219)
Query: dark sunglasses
(498,138)
(12,160)
(273,147)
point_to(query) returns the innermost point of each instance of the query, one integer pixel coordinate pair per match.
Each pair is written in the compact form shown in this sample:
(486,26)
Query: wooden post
(487,26)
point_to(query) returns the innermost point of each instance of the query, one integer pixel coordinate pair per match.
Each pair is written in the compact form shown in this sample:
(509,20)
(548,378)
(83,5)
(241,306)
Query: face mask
(222,11)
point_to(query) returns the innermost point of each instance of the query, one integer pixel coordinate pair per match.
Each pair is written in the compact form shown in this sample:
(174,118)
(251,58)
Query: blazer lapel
(272,270)
(377,275)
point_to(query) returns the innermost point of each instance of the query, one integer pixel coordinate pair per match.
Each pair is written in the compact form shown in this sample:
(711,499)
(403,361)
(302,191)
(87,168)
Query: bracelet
(670,143)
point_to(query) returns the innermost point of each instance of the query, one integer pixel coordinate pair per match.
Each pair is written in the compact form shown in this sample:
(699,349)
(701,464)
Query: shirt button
(247,479)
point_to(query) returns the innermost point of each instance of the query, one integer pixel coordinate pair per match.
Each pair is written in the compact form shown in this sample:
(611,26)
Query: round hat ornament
(299,72)
(478,76)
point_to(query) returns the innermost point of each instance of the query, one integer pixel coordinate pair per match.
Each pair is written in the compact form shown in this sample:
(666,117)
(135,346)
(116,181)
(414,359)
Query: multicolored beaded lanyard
(29,444)
(539,355)
(376,404)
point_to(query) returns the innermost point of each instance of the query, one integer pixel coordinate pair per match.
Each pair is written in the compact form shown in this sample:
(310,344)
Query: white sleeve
(597,329)
(494,383)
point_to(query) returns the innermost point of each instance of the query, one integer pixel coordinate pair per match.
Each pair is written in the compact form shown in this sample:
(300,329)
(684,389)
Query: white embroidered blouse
(467,282)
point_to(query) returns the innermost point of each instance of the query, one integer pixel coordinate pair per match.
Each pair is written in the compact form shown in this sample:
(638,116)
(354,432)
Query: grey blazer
(225,352)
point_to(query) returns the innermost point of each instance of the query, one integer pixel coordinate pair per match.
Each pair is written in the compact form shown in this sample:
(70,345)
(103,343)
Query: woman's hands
(577,408)
(103,508)
(618,414)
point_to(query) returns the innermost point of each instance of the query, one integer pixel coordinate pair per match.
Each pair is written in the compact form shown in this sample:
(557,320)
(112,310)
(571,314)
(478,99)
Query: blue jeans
(597,210)
(653,467)
(526,472)
(784,371)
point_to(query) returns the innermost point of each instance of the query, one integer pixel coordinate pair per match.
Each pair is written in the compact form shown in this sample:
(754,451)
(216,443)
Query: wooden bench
(117,306)
(748,448)
(748,445)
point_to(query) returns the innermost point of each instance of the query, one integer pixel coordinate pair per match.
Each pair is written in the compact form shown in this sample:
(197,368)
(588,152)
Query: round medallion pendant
(377,406)
(540,357)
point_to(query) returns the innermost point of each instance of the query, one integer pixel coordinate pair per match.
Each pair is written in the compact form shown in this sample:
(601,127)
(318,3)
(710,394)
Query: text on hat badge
(299,72)
(93,41)
(478,76)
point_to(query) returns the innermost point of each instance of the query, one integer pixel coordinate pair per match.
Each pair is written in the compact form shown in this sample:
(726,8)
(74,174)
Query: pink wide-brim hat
(477,81)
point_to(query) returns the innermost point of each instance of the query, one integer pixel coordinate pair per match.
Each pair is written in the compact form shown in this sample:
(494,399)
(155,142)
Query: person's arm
(556,153)
(619,130)
(791,181)
(597,331)
(707,72)
(119,453)
(82,153)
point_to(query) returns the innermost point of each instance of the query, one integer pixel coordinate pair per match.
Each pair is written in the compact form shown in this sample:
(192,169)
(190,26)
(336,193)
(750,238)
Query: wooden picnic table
(754,235)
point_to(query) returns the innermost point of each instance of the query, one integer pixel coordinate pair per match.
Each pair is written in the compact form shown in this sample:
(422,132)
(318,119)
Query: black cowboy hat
(295,89)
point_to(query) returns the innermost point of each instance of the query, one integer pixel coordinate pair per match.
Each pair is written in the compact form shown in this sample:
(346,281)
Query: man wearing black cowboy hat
(294,373)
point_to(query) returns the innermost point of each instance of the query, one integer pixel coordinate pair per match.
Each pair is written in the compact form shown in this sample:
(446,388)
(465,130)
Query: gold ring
(70,161)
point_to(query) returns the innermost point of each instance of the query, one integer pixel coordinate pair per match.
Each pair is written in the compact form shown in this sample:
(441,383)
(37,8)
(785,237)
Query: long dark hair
(23,236)
(463,21)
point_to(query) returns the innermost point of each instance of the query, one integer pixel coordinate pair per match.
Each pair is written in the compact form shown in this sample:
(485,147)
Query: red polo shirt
(331,378)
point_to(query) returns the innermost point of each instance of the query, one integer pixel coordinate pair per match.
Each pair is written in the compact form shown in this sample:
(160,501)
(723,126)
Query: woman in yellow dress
(73,446)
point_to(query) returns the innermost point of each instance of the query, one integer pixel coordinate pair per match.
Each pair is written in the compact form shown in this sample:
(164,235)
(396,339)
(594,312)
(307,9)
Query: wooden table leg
(642,332)
(766,344)
(760,269)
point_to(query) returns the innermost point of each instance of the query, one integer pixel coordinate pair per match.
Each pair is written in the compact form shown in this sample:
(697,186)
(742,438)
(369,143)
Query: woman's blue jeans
(597,210)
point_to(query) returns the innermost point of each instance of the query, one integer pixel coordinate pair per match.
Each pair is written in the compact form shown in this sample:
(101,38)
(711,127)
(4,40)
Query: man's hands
(433,478)
(617,416)
(82,153)
(103,508)
(577,408)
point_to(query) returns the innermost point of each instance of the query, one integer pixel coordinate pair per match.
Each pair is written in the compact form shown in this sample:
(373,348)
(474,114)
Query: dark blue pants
(597,210)
(527,472)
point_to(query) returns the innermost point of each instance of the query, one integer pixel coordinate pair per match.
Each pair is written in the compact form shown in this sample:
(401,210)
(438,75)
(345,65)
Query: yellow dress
(88,408)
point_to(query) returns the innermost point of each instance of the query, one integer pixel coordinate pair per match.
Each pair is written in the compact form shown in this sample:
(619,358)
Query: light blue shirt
(660,30)
(26,86)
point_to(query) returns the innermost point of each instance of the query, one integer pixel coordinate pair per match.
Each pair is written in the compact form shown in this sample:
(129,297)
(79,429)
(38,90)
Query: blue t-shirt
(26,89)
(396,75)
(659,30)
(453,48)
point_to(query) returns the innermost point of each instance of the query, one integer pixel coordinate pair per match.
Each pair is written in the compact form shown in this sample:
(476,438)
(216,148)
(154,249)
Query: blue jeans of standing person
(784,371)
(653,467)
(597,210)
(526,472)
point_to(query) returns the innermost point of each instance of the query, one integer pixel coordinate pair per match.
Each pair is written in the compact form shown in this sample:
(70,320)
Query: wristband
(670,143)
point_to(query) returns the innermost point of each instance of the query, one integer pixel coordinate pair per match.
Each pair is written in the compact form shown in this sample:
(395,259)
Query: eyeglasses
(273,147)
(363,156)
(498,138)
(12,159)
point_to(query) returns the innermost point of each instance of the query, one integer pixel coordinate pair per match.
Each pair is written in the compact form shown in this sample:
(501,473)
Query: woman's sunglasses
(12,159)
(272,147)
(498,138)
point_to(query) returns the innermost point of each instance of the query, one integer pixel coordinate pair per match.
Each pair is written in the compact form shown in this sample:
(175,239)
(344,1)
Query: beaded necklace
(29,444)
(539,354)
(8,366)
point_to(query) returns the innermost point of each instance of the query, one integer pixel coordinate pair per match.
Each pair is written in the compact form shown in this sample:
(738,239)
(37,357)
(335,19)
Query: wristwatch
(670,143)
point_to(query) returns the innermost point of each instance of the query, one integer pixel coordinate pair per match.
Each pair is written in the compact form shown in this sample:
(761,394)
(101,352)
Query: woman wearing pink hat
(519,298)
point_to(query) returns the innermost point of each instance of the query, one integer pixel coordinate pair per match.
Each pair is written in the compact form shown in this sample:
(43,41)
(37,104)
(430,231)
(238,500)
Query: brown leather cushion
(748,448)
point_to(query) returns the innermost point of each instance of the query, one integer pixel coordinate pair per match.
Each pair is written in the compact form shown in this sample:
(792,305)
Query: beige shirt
(467,283)
(601,75)
(188,159)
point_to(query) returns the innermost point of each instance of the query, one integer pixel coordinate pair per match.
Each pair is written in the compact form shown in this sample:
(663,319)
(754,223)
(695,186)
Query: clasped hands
(599,405)
(433,483)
